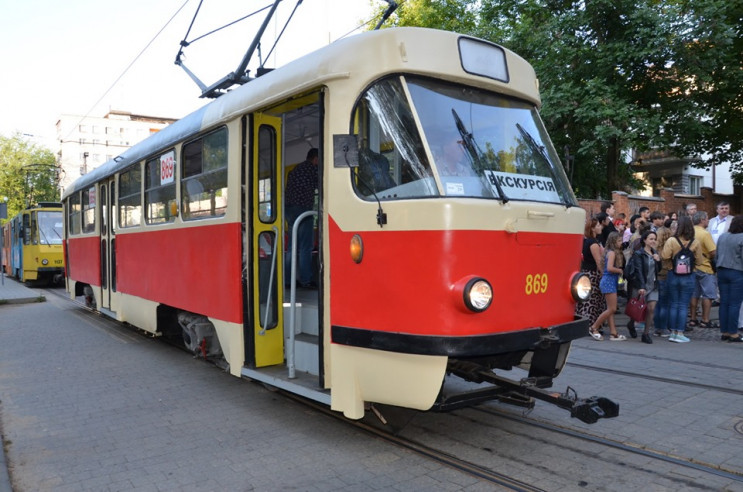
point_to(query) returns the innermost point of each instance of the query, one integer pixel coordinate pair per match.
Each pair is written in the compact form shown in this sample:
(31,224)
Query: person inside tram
(374,172)
(301,185)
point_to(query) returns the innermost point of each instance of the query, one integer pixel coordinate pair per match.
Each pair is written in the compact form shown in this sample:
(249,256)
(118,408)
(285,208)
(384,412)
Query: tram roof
(419,50)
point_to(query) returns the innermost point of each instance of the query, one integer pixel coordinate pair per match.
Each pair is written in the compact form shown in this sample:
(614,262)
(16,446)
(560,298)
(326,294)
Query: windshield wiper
(44,239)
(539,149)
(475,153)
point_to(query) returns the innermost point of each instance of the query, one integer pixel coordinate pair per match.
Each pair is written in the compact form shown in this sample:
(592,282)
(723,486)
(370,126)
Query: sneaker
(678,338)
(664,333)
(617,338)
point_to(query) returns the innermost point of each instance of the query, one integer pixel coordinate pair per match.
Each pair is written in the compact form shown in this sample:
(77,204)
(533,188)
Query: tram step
(306,353)
(305,319)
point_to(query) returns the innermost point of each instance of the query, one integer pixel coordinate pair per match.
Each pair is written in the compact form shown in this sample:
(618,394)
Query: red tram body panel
(84,259)
(195,268)
(398,266)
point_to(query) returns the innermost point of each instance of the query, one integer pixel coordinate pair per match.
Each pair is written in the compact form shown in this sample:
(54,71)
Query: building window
(695,185)
(159,199)
(204,176)
(130,197)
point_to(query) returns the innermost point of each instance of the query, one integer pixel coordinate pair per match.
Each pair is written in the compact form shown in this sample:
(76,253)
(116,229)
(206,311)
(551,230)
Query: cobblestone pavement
(89,404)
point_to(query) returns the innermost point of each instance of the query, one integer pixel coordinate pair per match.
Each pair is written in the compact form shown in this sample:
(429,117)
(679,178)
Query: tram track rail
(420,449)
(656,358)
(512,483)
(602,441)
(660,379)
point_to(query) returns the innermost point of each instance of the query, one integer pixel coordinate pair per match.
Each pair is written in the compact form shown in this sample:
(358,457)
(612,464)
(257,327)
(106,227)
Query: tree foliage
(618,75)
(28,173)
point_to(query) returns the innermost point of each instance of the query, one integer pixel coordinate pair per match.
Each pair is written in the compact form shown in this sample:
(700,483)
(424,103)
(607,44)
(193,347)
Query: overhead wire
(223,27)
(276,41)
(186,43)
(126,69)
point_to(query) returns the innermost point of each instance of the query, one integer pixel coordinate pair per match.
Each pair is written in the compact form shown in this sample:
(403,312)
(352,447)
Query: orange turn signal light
(357,248)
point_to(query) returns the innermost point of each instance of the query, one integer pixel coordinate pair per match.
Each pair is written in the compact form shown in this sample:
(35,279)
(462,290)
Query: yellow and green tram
(32,244)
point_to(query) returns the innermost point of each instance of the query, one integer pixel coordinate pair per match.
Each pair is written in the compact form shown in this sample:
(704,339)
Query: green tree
(28,173)
(617,75)
(709,97)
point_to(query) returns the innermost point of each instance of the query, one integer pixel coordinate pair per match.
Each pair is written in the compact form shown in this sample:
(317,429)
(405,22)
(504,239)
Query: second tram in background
(447,236)
(32,244)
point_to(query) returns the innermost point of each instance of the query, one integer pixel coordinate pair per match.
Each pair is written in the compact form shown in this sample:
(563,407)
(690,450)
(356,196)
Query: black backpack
(683,261)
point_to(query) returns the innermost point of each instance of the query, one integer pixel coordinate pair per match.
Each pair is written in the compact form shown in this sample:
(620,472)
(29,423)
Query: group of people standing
(677,262)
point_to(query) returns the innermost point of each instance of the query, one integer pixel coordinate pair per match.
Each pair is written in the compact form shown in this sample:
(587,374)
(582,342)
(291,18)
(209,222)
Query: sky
(64,57)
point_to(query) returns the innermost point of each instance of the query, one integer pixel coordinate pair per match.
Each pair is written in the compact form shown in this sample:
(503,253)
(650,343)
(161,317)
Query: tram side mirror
(345,151)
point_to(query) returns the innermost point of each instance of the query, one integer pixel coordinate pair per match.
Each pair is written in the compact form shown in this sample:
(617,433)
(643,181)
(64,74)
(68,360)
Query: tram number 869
(536,284)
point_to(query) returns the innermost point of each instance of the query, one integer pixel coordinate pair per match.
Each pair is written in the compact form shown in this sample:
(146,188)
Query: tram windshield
(481,144)
(50,227)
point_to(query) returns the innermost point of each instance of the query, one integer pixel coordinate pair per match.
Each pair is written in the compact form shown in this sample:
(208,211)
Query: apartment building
(84,143)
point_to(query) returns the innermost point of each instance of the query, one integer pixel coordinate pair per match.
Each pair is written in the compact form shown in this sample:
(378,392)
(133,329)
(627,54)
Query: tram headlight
(478,294)
(581,287)
(44,261)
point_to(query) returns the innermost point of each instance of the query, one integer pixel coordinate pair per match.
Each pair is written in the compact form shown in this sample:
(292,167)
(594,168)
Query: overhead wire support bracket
(237,77)
(388,12)
(201,85)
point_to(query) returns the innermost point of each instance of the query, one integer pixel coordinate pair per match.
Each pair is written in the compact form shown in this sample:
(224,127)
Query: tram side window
(88,210)
(392,160)
(75,214)
(204,176)
(130,197)
(159,198)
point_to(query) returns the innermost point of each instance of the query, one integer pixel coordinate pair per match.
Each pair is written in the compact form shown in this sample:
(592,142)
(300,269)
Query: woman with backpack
(641,274)
(680,255)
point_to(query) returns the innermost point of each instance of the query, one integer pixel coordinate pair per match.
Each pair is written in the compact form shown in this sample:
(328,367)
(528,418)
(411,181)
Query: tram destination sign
(523,186)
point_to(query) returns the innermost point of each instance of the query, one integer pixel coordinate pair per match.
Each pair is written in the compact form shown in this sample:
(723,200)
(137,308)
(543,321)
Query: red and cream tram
(448,238)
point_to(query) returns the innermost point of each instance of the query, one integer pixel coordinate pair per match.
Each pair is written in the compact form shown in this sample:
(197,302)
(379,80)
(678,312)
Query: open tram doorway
(280,139)
(108,243)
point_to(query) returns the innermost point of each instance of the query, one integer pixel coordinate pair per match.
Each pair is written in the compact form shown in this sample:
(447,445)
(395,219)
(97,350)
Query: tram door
(107,242)
(267,282)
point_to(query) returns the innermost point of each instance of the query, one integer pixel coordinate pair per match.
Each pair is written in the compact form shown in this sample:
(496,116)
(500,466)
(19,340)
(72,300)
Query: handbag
(635,309)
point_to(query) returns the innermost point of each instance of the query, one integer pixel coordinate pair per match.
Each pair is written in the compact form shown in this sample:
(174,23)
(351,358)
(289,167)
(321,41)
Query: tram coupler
(588,410)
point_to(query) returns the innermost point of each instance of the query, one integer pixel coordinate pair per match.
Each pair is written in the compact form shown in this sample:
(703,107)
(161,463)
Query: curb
(5,485)
(22,300)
